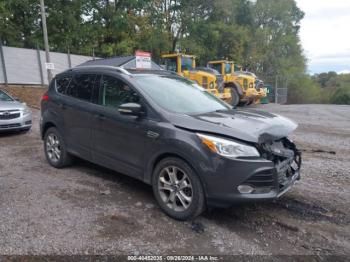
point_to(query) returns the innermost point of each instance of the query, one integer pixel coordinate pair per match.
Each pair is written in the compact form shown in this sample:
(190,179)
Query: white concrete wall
(22,65)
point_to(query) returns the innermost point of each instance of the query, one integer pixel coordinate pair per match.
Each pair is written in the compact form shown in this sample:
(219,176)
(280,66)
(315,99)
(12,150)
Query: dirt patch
(117,225)
(312,212)
(78,198)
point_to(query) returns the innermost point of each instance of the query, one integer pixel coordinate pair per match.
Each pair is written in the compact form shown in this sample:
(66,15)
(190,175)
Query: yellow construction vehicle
(211,80)
(259,86)
(237,79)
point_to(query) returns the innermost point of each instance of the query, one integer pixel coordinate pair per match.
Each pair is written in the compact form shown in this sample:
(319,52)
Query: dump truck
(235,78)
(210,79)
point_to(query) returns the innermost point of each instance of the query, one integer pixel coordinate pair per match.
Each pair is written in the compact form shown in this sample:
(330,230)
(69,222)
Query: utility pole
(46,40)
(276,91)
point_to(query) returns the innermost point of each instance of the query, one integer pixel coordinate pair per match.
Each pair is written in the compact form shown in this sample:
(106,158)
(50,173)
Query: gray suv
(193,148)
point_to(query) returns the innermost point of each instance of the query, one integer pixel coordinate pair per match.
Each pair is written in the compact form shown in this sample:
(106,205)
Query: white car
(14,115)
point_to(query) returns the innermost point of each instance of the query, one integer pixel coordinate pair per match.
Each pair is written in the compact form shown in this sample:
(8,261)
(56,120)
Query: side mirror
(131,109)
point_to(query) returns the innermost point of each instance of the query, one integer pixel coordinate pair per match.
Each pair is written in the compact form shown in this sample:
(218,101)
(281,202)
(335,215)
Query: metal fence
(27,66)
(279,89)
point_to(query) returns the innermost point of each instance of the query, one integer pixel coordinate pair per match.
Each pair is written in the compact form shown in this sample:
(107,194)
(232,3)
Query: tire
(55,149)
(25,130)
(234,98)
(171,198)
(250,102)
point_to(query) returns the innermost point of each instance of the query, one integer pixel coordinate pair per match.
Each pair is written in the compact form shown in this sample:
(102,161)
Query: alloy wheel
(175,188)
(53,148)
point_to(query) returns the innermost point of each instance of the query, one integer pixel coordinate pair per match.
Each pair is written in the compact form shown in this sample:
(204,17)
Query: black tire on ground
(196,206)
(65,159)
(234,97)
(25,130)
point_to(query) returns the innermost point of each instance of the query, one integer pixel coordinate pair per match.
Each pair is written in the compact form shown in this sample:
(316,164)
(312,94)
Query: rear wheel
(234,98)
(55,149)
(178,189)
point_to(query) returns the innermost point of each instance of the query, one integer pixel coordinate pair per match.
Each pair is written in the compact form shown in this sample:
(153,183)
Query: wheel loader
(235,78)
(259,86)
(210,79)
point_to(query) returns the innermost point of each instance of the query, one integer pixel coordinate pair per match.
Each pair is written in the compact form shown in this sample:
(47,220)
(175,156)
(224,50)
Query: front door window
(115,92)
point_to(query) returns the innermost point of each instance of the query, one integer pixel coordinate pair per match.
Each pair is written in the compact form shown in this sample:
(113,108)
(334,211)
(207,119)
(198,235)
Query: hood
(11,105)
(248,125)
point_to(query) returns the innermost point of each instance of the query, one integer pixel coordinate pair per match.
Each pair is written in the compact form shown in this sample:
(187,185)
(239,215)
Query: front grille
(220,83)
(205,82)
(258,85)
(10,114)
(261,179)
(245,83)
(287,161)
(10,126)
(286,157)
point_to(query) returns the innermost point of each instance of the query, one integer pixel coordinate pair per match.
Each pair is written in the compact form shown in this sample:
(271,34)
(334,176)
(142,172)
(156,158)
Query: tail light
(45,97)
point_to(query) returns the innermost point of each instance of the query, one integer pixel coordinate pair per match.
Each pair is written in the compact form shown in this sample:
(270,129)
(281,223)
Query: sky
(325,35)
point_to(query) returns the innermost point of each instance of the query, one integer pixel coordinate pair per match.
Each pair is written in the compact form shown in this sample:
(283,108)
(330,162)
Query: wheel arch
(45,127)
(236,86)
(156,160)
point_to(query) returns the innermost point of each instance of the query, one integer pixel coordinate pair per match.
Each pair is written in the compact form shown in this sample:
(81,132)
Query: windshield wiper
(221,110)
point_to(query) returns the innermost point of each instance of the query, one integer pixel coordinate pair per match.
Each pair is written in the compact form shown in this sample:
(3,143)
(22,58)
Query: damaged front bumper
(261,179)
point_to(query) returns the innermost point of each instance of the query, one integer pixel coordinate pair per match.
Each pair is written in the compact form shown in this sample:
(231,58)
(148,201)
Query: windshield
(179,95)
(217,67)
(186,63)
(170,64)
(5,97)
(237,68)
(227,68)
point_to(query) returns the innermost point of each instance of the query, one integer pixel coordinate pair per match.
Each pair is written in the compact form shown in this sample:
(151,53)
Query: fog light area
(245,189)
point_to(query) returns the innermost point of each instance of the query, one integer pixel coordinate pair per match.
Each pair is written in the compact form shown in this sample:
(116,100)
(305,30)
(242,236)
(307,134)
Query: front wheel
(178,189)
(234,98)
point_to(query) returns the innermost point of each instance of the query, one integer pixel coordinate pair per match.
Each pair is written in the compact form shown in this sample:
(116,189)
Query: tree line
(261,35)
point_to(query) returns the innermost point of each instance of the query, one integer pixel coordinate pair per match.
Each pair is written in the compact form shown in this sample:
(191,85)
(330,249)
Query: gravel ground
(86,209)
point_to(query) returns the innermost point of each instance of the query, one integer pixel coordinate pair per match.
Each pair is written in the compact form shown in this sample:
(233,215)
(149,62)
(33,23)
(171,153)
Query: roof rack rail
(120,69)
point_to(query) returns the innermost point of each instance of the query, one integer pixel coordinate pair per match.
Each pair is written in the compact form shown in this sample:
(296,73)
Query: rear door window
(81,86)
(114,92)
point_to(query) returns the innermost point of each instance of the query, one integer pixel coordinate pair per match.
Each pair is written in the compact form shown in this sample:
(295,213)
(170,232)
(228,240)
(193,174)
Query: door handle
(100,117)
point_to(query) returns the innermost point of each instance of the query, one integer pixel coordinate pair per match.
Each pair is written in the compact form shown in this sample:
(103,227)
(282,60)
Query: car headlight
(26,111)
(211,85)
(228,148)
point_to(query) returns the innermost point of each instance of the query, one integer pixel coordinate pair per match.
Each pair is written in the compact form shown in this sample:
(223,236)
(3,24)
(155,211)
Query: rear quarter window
(62,84)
